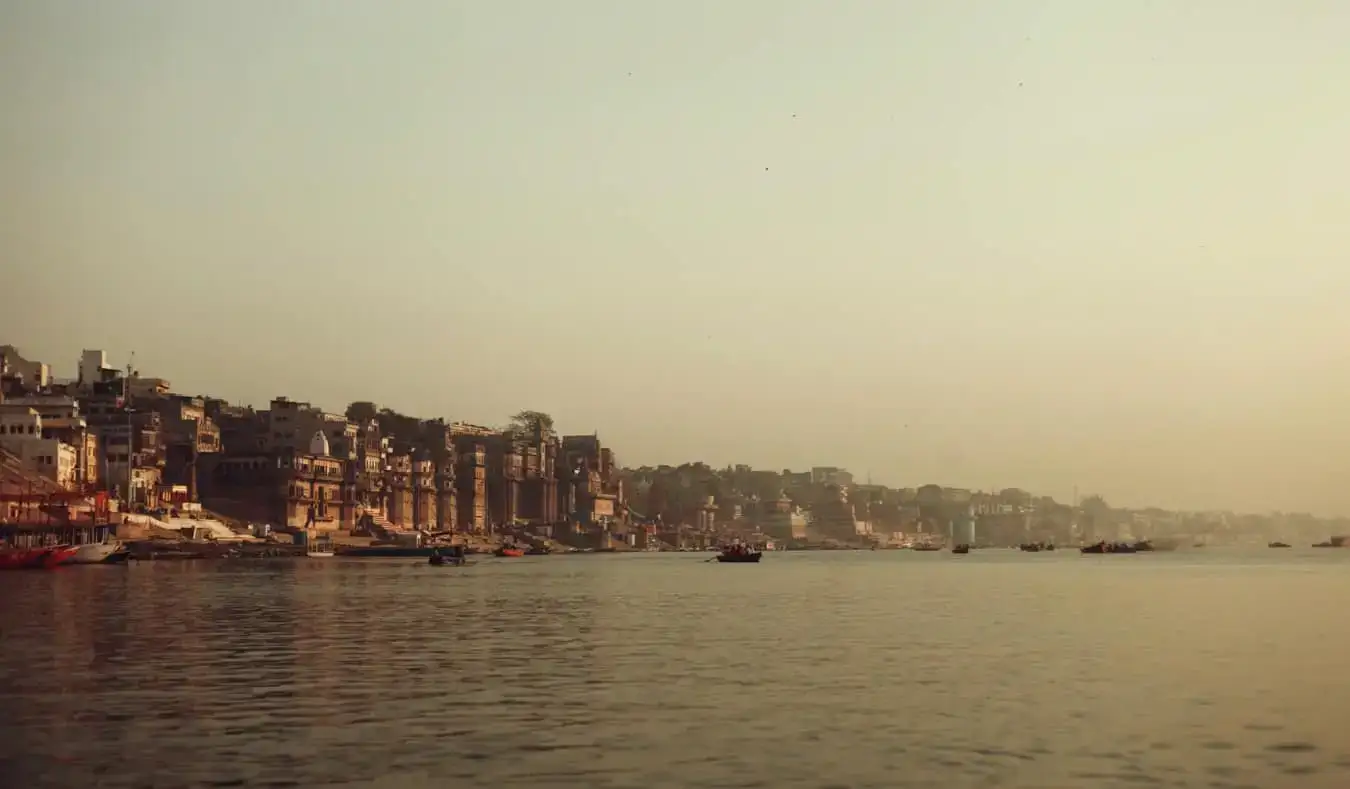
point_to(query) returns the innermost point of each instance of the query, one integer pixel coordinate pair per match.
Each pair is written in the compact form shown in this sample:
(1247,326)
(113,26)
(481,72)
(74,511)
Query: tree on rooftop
(362,411)
(532,424)
(1094,504)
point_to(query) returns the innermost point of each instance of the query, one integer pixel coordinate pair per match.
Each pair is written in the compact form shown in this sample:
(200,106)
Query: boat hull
(1105,548)
(95,553)
(740,558)
(508,553)
(320,554)
(36,558)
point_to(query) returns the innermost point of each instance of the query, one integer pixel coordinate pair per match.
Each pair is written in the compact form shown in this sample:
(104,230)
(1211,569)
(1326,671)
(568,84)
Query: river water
(1207,668)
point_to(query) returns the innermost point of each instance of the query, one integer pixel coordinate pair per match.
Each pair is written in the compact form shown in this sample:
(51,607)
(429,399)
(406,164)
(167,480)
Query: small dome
(318,445)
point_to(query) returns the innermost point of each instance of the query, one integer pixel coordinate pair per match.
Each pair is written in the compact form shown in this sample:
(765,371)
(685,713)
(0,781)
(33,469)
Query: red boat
(36,558)
(508,552)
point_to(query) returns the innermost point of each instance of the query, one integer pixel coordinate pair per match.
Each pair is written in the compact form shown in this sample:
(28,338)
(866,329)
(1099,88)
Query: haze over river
(1206,668)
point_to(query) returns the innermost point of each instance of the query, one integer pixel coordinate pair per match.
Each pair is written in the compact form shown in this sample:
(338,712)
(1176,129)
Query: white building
(34,374)
(94,368)
(21,433)
(61,420)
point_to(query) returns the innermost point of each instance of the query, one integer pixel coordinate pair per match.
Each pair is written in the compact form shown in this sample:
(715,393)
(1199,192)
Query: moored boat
(15,558)
(97,553)
(508,553)
(962,548)
(36,558)
(1278,544)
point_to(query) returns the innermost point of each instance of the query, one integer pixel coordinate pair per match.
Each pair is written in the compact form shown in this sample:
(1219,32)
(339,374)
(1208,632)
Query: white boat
(319,554)
(95,553)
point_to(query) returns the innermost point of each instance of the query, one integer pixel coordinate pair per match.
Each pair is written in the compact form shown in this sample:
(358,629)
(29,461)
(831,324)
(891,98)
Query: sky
(1047,244)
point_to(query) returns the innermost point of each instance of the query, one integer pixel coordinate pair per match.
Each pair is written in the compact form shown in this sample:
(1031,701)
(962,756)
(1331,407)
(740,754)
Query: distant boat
(963,548)
(925,546)
(1109,547)
(508,553)
(740,557)
(1278,544)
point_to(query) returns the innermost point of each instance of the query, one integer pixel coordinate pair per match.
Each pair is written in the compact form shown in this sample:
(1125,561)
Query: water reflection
(815,670)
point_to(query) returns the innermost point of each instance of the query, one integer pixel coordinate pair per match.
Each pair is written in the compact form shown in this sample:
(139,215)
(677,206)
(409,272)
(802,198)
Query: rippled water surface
(875,669)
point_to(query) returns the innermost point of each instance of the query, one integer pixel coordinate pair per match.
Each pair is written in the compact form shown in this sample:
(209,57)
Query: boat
(508,553)
(453,559)
(15,558)
(962,548)
(1278,544)
(44,558)
(1109,547)
(741,556)
(98,553)
(925,546)
(1143,545)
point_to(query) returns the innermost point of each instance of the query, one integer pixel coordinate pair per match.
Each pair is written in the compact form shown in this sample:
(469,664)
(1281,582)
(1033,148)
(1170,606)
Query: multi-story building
(21,434)
(188,435)
(34,376)
(398,491)
(471,471)
(62,421)
(292,425)
(94,369)
(537,500)
(596,492)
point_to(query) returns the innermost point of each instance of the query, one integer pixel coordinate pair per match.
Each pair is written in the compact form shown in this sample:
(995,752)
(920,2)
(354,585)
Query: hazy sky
(976,243)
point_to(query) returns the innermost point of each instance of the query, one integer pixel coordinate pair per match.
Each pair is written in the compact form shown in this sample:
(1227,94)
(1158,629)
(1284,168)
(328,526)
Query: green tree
(362,411)
(533,424)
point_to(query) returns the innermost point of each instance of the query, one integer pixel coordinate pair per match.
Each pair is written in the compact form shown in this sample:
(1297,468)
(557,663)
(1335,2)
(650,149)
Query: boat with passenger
(454,556)
(739,553)
(1109,547)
